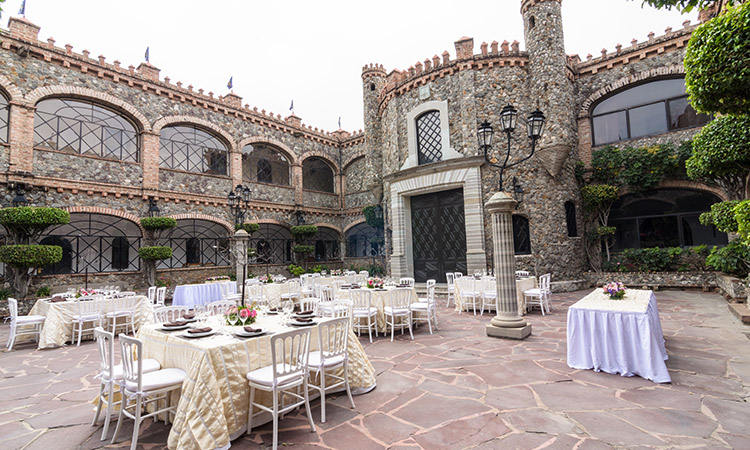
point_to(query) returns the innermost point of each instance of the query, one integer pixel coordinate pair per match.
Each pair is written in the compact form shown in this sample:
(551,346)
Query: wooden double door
(438,230)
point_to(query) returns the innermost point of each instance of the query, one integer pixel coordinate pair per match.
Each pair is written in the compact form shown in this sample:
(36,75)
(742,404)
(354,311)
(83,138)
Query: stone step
(741,311)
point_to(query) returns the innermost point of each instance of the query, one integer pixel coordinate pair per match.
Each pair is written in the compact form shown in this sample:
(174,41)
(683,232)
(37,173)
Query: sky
(312,52)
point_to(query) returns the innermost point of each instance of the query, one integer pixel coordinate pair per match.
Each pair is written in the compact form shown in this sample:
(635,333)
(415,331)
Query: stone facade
(377,166)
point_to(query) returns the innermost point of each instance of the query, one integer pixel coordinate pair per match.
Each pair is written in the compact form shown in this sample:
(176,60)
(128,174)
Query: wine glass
(288,307)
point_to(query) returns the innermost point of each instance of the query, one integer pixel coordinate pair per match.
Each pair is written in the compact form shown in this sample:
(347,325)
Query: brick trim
(310,153)
(41,93)
(329,225)
(229,227)
(10,89)
(107,212)
(283,148)
(201,123)
(585,109)
(274,222)
(352,225)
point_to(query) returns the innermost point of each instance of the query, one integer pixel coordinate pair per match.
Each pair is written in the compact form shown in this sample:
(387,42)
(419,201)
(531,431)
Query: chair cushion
(471,294)
(534,291)
(396,311)
(122,313)
(159,379)
(314,361)
(419,306)
(264,376)
(364,312)
(30,319)
(86,317)
(149,365)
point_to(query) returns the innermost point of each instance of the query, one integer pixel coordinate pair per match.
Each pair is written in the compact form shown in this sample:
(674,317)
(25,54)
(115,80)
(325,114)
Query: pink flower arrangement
(246,313)
(83,292)
(375,283)
(615,290)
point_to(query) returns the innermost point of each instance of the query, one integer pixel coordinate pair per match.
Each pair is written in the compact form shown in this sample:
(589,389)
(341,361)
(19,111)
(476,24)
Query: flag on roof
(22,10)
(229,85)
(291,107)
(146,54)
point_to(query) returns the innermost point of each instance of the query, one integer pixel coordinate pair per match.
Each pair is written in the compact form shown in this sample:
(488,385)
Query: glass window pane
(610,128)
(648,120)
(190,149)
(4,112)
(639,95)
(693,233)
(682,115)
(626,234)
(659,232)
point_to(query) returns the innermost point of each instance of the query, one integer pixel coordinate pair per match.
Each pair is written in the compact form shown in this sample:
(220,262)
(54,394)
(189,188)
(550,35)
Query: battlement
(671,40)
(526,4)
(23,38)
(372,70)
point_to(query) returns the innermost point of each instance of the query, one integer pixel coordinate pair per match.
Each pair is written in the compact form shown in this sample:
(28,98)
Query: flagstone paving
(455,389)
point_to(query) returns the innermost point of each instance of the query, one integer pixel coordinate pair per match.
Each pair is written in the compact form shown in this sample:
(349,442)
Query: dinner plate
(243,333)
(303,316)
(198,335)
(273,313)
(181,327)
(190,320)
(302,324)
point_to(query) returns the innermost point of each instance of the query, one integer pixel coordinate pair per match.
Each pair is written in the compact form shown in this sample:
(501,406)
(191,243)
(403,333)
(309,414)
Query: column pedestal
(508,323)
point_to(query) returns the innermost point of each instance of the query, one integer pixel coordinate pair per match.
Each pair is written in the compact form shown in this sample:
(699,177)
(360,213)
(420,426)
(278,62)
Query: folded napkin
(273,310)
(250,329)
(56,299)
(188,316)
(176,323)
(306,313)
(199,330)
(301,320)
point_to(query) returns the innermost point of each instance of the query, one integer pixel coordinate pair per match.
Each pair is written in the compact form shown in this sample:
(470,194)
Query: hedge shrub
(371,218)
(722,216)
(155,253)
(742,217)
(250,228)
(158,223)
(34,217)
(731,259)
(303,249)
(304,231)
(36,256)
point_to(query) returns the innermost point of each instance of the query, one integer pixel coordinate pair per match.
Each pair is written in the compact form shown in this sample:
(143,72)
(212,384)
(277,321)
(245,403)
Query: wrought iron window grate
(521,236)
(197,242)
(192,150)
(429,144)
(272,244)
(4,114)
(264,164)
(317,175)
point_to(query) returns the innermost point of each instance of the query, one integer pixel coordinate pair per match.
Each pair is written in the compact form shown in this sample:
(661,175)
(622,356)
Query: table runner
(214,402)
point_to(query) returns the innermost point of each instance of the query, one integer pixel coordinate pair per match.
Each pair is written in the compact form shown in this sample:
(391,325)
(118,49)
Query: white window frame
(411,124)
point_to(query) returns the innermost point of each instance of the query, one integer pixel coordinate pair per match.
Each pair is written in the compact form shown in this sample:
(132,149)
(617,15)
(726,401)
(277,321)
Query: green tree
(151,253)
(597,202)
(684,6)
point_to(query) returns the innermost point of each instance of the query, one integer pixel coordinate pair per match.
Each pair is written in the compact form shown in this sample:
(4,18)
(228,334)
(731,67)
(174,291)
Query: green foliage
(373,269)
(605,231)
(158,223)
(684,6)
(722,216)
(250,228)
(657,259)
(303,249)
(24,222)
(5,293)
(580,171)
(597,195)
(742,217)
(371,217)
(155,253)
(296,270)
(717,63)
(162,282)
(25,256)
(43,291)
(731,259)
(638,168)
(302,232)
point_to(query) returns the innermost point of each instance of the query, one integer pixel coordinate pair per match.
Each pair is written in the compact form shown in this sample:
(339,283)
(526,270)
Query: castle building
(105,142)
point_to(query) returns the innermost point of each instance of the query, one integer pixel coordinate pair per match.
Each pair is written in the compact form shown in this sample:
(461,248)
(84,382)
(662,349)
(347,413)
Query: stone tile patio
(455,389)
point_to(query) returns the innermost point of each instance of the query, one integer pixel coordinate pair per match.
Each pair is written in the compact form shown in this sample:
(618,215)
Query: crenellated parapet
(22,37)
(398,82)
(526,4)
(372,70)
(671,40)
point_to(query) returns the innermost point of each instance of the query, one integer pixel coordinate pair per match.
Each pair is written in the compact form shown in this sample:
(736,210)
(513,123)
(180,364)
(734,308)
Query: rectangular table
(57,329)
(201,294)
(213,405)
(618,336)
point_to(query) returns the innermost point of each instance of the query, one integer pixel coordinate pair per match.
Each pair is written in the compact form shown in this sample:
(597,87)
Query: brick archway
(229,227)
(352,225)
(107,212)
(323,156)
(198,122)
(12,91)
(283,148)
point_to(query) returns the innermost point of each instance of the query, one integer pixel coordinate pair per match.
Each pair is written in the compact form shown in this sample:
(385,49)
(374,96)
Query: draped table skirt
(200,294)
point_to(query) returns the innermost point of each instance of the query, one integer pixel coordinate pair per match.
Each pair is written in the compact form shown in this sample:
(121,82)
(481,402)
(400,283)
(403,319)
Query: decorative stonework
(411,124)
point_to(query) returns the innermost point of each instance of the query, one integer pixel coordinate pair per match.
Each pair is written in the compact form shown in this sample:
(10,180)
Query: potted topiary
(152,253)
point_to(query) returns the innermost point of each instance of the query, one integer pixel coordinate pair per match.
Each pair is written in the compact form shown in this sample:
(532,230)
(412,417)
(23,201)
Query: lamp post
(19,199)
(153,208)
(239,201)
(507,323)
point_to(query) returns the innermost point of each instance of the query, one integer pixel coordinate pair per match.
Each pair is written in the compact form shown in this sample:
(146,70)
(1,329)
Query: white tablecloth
(521,285)
(200,294)
(618,336)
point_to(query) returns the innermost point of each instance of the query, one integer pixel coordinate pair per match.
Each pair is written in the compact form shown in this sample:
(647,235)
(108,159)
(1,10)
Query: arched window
(272,244)
(663,218)
(84,128)
(190,149)
(326,244)
(99,242)
(196,242)
(651,108)
(429,143)
(262,163)
(4,115)
(364,240)
(570,218)
(317,175)
(521,236)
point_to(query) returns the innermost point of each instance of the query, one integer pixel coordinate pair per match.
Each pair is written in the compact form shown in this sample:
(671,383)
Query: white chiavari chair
(22,325)
(424,310)
(333,355)
(363,310)
(89,311)
(397,312)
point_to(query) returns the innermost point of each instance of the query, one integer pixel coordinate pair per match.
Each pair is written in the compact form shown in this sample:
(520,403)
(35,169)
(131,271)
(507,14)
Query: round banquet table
(200,294)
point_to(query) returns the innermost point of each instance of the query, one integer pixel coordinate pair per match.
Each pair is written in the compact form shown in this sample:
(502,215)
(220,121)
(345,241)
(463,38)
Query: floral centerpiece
(615,290)
(375,283)
(236,315)
(219,278)
(337,272)
(83,292)
(265,279)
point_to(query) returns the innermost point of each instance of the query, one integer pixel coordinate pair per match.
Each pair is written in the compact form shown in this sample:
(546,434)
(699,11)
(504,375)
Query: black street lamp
(20,197)
(153,208)
(508,121)
(300,216)
(239,200)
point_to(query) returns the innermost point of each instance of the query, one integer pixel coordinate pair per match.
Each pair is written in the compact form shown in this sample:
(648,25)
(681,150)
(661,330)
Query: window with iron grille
(272,244)
(84,128)
(263,163)
(4,118)
(326,244)
(521,236)
(364,240)
(317,175)
(570,219)
(190,149)
(99,242)
(429,143)
(194,242)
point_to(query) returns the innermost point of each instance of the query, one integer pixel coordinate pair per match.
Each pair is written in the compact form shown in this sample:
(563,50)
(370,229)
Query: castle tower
(373,82)
(549,81)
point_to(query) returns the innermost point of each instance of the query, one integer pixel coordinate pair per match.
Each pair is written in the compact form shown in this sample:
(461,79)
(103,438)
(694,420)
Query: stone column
(507,323)
(239,250)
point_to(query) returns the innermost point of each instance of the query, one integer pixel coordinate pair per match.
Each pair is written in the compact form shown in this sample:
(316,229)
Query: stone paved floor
(455,389)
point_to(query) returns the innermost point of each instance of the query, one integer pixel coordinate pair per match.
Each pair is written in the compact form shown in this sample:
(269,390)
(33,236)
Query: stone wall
(320,199)
(656,280)
(85,168)
(178,181)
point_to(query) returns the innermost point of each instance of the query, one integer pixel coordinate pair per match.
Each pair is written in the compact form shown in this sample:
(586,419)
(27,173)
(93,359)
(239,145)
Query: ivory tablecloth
(618,336)
(57,327)
(200,294)
(213,406)
(379,299)
(521,285)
